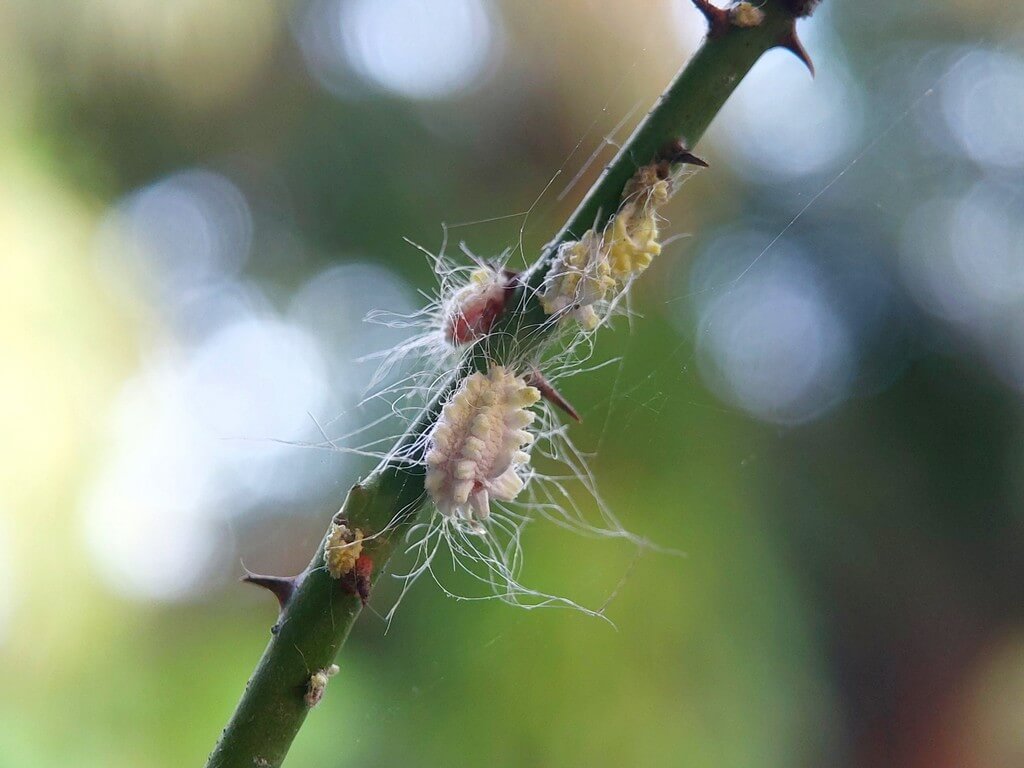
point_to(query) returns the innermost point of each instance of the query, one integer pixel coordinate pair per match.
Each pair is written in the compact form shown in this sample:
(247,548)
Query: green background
(852,589)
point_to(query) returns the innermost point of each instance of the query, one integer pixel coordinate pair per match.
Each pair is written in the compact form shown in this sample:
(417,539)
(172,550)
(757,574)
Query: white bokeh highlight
(784,124)
(226,412)
(407,48)
(195,437)
(182,231)
(983,104)
(962,260)
(768,339)
(333,305)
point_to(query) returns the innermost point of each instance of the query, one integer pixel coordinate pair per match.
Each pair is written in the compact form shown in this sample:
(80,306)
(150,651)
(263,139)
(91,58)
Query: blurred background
(821,404)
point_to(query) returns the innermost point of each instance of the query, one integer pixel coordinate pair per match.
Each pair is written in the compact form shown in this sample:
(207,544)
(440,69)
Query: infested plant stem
(318,610)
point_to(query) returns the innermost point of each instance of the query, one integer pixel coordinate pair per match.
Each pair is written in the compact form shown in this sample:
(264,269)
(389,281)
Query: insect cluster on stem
(477,454)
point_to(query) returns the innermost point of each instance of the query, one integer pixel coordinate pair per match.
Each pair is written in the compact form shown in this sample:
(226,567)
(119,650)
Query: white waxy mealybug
(476,449)
(472,310)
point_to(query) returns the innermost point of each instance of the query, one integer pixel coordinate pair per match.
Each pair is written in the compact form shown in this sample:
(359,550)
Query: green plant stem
(317,619)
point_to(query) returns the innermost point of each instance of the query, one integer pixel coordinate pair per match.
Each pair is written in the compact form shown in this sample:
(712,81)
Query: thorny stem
(317,618)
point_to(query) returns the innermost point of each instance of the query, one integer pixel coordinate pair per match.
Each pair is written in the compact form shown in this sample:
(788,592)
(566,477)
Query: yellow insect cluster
(477,446)
(588,270)
(342,549)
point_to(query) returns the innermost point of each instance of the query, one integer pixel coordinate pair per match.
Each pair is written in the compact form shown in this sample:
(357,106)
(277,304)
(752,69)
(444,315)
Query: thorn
(552,395)
(689,159)
(717,18)
(676,152)
(283,587)
(792,44)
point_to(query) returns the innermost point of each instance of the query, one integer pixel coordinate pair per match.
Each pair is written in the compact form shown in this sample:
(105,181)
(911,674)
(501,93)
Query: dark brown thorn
(690,159)
(283,587)
(792,44)
(552,395)
(676,152)
(718,18)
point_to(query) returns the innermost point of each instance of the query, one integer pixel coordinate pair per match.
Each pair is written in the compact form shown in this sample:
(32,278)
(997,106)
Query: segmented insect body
(632,235)
(478,447)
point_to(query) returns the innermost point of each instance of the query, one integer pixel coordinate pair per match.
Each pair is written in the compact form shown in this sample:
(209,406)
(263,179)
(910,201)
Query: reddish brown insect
(474,309)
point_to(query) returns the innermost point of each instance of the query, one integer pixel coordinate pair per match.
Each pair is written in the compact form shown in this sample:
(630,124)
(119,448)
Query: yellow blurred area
(61,339)
(64,348)
(200,55)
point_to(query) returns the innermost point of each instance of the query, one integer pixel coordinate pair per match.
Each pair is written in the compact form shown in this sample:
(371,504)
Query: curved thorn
(552,395)
(690,159)
(792,44)
(676,152)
